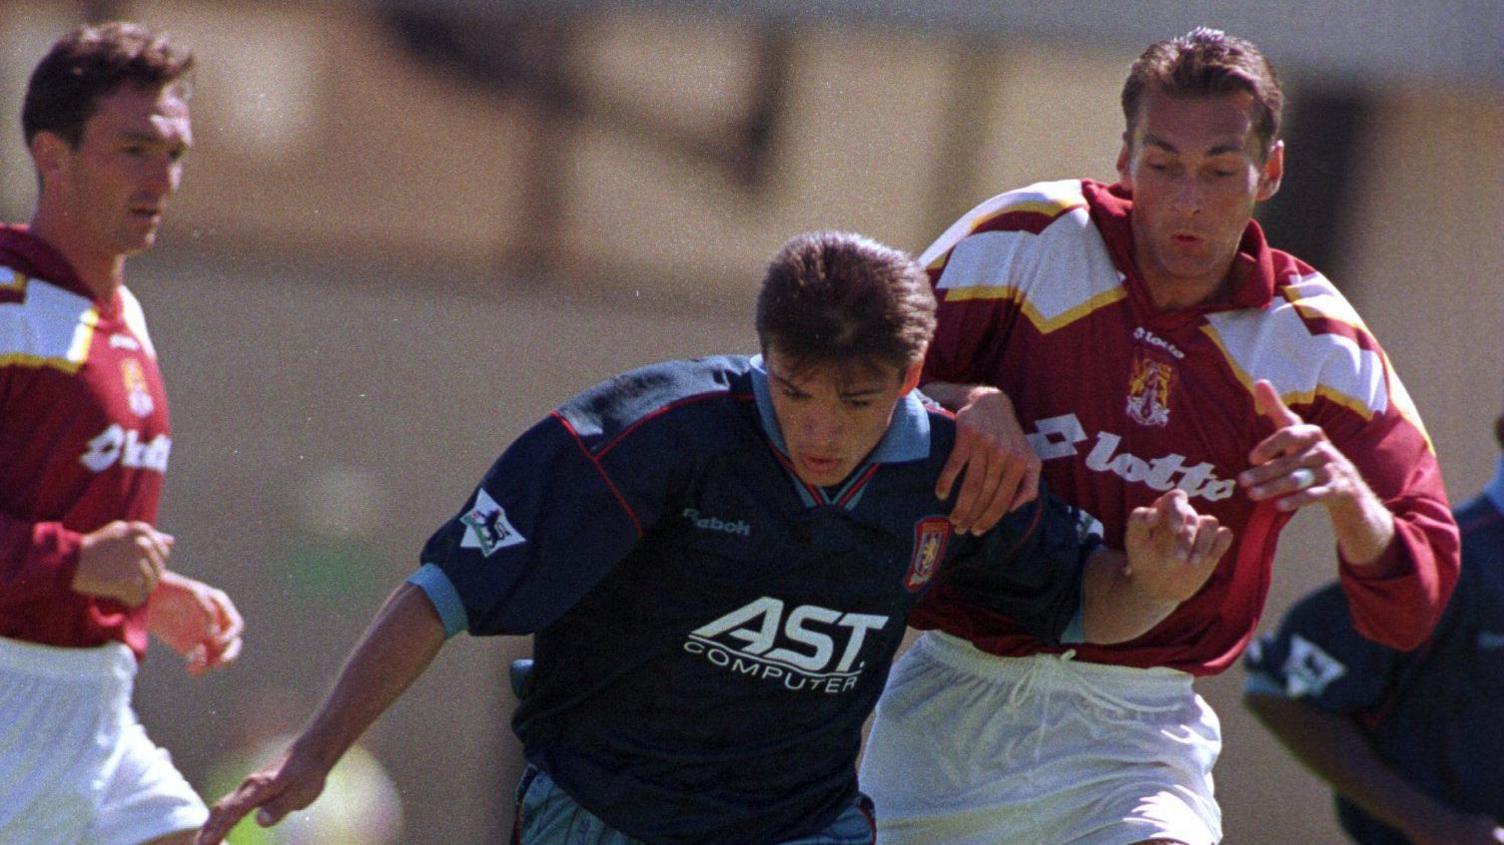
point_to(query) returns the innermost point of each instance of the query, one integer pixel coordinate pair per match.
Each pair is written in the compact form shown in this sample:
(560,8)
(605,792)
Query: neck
(101,273)
(1171,293)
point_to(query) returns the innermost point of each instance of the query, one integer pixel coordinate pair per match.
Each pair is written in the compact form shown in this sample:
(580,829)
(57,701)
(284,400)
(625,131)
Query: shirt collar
(907,438)
(1111,207)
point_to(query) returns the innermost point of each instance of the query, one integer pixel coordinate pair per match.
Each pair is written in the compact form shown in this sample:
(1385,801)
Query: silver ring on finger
(1303,478)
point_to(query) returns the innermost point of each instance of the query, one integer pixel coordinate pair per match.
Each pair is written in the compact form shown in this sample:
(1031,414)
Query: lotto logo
(809,647)
(1056,437)
(118,443)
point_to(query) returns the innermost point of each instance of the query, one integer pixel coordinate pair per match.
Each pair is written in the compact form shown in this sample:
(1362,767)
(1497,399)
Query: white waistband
(111,660)
(961,655)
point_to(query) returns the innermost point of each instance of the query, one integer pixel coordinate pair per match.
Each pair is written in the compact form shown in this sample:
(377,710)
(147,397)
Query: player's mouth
(818,465)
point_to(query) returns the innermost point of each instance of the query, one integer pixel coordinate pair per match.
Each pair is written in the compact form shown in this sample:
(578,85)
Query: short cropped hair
(1207,62)
(90,63)
(840,298)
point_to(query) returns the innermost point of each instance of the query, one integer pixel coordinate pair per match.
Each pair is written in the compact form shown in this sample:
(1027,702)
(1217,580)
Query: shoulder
(39,322)
(1478,516)
(1322,610)
(1028,210)
(1312,345)
(683,395)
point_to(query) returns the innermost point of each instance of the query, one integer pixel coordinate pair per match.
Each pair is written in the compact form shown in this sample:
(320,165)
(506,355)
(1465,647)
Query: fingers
(960,454)
(227,626)
(978,486)
(229,810)
(1211,542)
(1267,402)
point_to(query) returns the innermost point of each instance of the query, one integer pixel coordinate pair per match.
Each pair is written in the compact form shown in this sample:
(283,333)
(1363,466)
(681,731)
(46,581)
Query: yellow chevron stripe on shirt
(1277,344)
(51,327)
(1057,277)
(1050,199)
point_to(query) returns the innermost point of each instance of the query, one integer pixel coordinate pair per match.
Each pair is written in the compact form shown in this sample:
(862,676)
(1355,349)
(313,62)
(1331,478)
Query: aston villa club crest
(136,393)
(487,527)
(930,536)
(1149,388)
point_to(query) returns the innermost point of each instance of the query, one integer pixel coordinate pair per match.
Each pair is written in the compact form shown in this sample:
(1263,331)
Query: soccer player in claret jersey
(1126,340)
(718,556)
(84,441)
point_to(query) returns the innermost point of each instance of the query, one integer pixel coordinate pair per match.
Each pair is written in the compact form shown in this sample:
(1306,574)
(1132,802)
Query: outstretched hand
(196,620)
(1296,465)
(1172,549)
(290,783)
(1001,469)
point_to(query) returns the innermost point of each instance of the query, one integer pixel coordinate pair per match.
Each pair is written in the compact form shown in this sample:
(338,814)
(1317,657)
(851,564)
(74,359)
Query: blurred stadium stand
(409,228)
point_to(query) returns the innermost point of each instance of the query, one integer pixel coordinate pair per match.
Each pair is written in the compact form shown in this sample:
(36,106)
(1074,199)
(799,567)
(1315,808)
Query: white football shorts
(971,749)
(75,765)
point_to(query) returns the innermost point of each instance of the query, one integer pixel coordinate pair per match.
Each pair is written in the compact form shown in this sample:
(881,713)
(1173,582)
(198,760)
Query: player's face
(115,184)
(832,417)
(1196,168)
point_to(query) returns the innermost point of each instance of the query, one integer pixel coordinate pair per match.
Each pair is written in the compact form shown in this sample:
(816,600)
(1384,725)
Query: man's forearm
(1364,528)
(398,646)
(952,396)
(1333,748)
(1113,609)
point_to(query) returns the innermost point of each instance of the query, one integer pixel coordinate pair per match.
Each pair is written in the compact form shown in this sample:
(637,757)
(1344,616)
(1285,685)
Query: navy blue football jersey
(711,633)
(1433,713)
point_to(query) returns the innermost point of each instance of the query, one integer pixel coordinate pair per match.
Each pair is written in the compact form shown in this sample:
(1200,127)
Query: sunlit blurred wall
(378,272)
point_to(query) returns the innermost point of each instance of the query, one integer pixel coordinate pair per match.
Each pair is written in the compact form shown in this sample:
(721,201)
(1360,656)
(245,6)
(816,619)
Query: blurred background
(408,229)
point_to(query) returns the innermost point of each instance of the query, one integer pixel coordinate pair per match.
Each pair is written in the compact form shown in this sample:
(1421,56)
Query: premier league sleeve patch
(1309,670)
(487,528)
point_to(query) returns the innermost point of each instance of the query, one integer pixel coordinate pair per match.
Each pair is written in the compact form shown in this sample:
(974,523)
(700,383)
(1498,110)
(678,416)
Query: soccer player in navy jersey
(84,443)
(1410,742)
(1122,341)
(717,557)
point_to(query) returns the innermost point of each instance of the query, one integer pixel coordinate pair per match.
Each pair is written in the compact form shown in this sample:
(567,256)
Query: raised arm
(398,646)
(1171,551)
(1001,469)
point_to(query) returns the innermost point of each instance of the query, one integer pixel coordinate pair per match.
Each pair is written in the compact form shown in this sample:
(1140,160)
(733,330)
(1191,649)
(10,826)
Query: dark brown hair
(1207,62)
(841,298)
(87,65)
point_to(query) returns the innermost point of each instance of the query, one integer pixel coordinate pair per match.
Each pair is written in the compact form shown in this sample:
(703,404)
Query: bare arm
(398,646)
(1001,469)
(1332,747)
(1171,551)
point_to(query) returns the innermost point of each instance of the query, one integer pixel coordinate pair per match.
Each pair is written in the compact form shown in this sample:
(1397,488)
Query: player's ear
(1123,159)
(1272,171)
(911,375)
(50,153)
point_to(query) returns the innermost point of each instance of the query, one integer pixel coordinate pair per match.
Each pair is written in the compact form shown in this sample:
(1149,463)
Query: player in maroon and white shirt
(84,444)
(1126,340)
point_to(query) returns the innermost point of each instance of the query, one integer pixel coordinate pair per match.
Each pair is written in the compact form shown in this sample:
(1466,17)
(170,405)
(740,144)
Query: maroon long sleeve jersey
(84,440)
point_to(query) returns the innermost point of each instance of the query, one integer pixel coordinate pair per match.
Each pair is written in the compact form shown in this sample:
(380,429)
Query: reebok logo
(806,648)
(1056,437)
(711,523)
